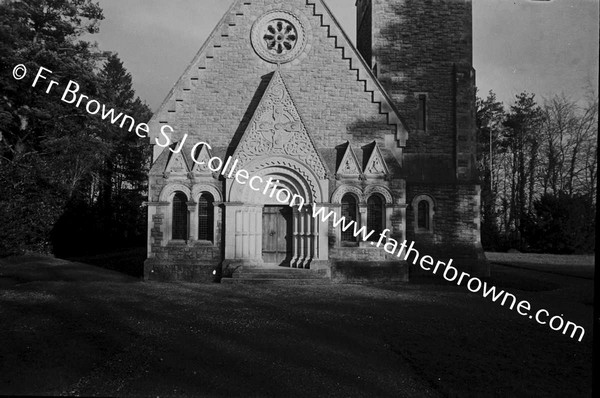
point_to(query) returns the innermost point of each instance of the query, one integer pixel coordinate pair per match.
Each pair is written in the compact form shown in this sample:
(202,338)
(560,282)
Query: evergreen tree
(123,185)
(62,169)
(113,211)
(48,147)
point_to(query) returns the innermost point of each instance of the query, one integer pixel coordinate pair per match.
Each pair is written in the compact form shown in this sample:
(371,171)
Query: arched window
(423,215)
(375,215)
(205,217)
(180,217)
(423,209)
(349,212)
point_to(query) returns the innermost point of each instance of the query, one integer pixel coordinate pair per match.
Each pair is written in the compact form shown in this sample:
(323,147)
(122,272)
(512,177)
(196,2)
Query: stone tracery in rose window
(280,36)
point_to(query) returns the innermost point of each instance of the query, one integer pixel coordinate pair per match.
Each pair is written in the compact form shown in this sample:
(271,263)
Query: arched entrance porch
(262,231)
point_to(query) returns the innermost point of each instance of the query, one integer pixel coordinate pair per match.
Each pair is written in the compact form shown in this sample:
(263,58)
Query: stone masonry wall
(217,95)
(190,261)
(456,225)
(416,46)
(425,47)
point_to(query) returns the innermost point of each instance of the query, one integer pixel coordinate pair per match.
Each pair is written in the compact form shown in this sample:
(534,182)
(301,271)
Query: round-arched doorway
(262,228)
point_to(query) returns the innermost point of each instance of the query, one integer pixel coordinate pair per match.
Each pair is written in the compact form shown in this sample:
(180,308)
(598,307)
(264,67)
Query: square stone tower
(421,52)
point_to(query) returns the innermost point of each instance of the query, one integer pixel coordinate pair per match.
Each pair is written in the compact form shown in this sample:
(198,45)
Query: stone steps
(283,273)
(278,276)
(296,282)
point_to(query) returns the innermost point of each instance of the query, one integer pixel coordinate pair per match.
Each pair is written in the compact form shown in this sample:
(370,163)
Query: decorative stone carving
(383,191)
(305,181)
(376,166)
(276,129)
(200,189)
(278,37)
(168,191)
(177,165)
(269,165)
(339,193)
(349,167)
(203,156)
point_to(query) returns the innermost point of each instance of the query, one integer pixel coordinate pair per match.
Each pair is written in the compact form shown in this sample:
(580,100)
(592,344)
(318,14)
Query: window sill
(204,243)
(424,231)
(177,242)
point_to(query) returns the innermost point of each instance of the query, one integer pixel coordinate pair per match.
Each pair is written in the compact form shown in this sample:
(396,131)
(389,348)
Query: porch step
(257,281)
(279,275)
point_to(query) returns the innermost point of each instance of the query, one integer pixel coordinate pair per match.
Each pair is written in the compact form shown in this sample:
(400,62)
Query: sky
(542,47)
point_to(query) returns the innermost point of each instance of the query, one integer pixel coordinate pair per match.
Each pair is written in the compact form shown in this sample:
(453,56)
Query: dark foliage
(538,168)
(29,205)
(112,215)
(562,224)
(63,170)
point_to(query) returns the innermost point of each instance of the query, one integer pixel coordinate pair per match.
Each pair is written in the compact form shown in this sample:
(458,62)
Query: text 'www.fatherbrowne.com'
(451,274)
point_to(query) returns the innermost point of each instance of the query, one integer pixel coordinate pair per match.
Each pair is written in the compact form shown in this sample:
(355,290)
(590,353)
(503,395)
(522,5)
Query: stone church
(381,132)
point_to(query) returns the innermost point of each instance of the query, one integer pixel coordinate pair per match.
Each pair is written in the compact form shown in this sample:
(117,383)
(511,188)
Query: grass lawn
(73,329)
(573,265)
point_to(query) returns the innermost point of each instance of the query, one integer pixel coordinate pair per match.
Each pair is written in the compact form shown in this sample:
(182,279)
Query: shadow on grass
(127,261)
(509,279)
(501,277)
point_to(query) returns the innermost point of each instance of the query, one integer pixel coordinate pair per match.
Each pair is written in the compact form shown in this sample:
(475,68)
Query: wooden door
(277,235)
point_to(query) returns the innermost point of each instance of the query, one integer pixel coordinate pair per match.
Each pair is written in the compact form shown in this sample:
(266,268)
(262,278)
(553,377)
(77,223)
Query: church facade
(381,133)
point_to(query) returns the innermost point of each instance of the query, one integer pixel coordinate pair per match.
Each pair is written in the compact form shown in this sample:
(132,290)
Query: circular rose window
(278,37)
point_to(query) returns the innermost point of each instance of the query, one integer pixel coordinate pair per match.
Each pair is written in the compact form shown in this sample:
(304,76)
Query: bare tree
(522,124)
(569,146)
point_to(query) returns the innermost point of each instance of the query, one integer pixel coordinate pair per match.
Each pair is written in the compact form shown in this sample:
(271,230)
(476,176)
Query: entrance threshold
(267,266)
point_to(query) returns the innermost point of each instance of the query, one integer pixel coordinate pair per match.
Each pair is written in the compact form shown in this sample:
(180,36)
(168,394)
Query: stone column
(389,212)
(403,221)
(295,237)
(302,234)
(156,229)
(231,210)
(314,233)
(217,223)
(323,230)
(309,237)
(193,221)
(151,212)
(362,209)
